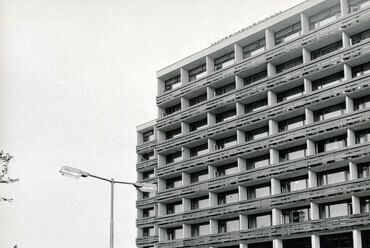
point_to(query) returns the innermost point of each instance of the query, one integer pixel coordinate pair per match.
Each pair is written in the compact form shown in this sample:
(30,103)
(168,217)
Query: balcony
(146,202)
(147,240)
(146,221)
(146,147)
(146,164)
(350,20)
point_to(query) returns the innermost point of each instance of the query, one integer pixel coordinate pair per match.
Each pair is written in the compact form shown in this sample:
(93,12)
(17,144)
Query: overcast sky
(76,78)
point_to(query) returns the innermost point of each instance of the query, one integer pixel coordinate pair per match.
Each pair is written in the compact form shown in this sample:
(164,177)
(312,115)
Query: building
(262,139)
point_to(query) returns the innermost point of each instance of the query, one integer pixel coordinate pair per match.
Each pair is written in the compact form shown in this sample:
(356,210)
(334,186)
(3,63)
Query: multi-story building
(262,139)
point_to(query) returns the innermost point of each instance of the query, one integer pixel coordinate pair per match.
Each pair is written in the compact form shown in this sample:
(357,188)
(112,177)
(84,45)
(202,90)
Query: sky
(76,78)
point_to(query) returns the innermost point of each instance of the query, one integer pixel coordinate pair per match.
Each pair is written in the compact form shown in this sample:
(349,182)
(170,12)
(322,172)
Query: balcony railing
(146,147)
(294,230)
(146,164)
(146,221)
(350,20)
(150,240)
(146,202)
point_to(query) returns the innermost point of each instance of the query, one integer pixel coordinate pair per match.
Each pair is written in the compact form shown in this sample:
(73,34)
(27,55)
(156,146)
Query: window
(293,184)
(292,123)
(331,144)
(200,202)
(255,106)
(363,170)
(148,174)
(254,48)
(198,125)
(200,229)
(257,221)
(225,142)
(289,64)
(288,33)
(290,94)
(173,133)
(173,182)
(173,109)
(357,38)
(361,70)
(326,50)
(174,233)
(258,162)
(358,4)
(365,236)
(224,89)
(257,133)
(324,17)
(224,61)
(175,157)
(199,150)
(229,225)
(198,99)
(255,77)
(199,176)
(227,197)
(147,195)
(258,191)
(174,208)
(339,240)
(365,204)
(227,169)
(295,215)
(261,245)
(148,212)
(225,115)
(328,81)
(148,136)
(148,231)
(362,136)
(292,153)
(172,83)
(294,243)
(330,112)
(197,72)
(329,210)
(362,102)
(147,156)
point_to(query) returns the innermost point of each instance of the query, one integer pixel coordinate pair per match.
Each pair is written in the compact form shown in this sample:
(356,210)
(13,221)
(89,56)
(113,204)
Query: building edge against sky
(262,139)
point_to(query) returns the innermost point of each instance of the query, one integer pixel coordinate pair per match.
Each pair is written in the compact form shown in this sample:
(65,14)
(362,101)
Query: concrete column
(270,39)
(271,98)
(211,119)
(242,193)
(353,171)
(271,69)
(161,234)
(356,205)
(274,156)
(273,127)
(344,9)
(305,24)
(238,50)
(185,128)
(346,40)
(309,116)
(306,56)
(212,199)
(357,239)
(186,228)
(161,136)
(315,241)
(239,82)
(161,160)
(312,179)
(240,135)
(161,184)
(210,64)
(211,145)
(347,72)
(212,170)
(277,243)
(160,86)
(242,164)
(185,178)
(276,216)
(310,147)
(185,153)
(243,220)
(350,106)
(184,74)
(351,138)
(213,226)
(240,109)
(307,86)
(315,213)
(210,93)
(242,245)
(275,186)
(184,103)
(162,211)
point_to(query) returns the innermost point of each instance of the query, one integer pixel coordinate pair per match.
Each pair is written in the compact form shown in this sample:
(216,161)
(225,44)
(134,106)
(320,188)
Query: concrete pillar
(271,98)
(353,171)
(307,86)
(211,145)
(274,156)
(162,210)
(185,153)
(270,39)
(277,243)
(161,234)
(312,179)
(357,239)
(243,220)
(211,119)
(161,160)
(273,127)
(238,50)
(187,230)
(271,69)
(161,184)
(186,204)
(185,128)
(346,40)
(213,226)
(315,213)
(242,245)
(276,216)
(315,241)
(161,136)
(242,193)
(185,178)
(305,24)
(306,56)
(212,199)
(210,93)
(275,186)
(350,107)
(309,116)
(184,103)
(212,171)
(351,138)
(240,109)
(210,65)
(160,86)
(239,82)
(347,72)
(310,147)
(242,164)
(240,136)
(344,7)
(184,74)
(356,205)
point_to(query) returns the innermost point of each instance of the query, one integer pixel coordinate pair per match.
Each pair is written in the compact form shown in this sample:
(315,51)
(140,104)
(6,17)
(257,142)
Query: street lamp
(76,173)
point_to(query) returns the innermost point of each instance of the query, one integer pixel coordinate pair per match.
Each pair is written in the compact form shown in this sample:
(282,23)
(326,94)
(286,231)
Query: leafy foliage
(4,166)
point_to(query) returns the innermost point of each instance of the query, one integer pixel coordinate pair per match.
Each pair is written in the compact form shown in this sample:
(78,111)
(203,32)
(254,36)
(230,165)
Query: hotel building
(262,139)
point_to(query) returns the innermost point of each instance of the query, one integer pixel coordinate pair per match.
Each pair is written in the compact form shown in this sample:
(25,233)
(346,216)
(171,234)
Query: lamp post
(76,173)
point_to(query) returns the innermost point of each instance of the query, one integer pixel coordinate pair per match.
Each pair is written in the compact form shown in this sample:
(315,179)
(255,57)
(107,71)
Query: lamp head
(73,172)
(146,187)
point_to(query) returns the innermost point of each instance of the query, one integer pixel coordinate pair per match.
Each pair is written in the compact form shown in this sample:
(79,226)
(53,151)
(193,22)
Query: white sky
(76,78)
